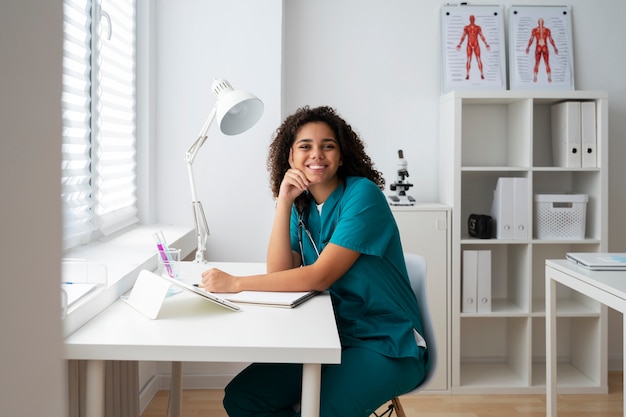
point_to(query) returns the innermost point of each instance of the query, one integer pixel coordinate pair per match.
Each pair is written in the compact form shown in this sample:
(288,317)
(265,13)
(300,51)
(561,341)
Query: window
(99,117)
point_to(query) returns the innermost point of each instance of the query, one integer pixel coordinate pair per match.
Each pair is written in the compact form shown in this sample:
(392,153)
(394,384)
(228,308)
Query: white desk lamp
(236,112)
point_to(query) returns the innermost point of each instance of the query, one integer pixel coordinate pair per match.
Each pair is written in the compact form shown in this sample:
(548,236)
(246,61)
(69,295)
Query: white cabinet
(485,135)
(424,230)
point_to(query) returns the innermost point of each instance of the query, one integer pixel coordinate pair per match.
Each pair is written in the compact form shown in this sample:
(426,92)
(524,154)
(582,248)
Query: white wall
(377,61)
(196,41)
(31,367)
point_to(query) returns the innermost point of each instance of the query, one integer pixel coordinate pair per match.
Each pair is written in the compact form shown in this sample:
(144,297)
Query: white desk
(190,328)
(606,287)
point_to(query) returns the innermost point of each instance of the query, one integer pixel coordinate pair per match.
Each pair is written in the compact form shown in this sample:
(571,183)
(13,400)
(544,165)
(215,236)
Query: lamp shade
(236,111)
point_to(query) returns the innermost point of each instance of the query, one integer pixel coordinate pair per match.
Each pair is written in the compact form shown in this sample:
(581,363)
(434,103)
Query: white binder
(521,201)
(469,289)
(566,135)
(483,292)
(588,134)
(502,208)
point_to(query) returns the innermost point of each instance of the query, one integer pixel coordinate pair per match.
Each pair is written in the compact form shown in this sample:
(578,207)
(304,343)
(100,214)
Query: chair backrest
(416,268)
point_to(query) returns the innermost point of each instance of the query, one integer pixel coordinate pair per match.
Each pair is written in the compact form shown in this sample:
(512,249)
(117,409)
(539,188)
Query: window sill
(124,256)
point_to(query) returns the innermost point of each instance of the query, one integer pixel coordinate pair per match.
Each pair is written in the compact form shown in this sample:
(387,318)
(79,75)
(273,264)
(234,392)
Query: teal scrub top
(374,304)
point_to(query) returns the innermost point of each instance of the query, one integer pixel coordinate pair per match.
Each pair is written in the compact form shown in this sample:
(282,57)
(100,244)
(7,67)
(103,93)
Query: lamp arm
(199,218)
(191,153)
(202,228)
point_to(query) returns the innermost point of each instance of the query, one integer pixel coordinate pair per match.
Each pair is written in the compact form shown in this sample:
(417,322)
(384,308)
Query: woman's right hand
(294,183)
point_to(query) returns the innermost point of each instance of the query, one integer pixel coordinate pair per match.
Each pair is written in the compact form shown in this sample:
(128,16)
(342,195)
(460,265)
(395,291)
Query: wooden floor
(208,403)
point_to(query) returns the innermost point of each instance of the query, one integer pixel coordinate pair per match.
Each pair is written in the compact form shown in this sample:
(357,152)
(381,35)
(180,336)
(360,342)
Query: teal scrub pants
(358,386)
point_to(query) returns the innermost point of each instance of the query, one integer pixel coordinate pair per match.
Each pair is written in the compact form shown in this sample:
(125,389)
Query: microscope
(400,186)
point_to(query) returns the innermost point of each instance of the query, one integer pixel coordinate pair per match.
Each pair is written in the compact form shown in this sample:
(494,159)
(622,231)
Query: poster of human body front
(540,48)
(473,47)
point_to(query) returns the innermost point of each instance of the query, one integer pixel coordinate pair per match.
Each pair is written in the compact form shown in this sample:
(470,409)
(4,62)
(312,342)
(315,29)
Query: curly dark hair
(355,161)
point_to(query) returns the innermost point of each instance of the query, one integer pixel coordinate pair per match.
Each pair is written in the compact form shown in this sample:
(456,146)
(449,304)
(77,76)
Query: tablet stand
(148,294)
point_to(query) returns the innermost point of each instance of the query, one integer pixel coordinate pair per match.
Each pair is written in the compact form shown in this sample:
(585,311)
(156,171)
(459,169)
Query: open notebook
(271,299)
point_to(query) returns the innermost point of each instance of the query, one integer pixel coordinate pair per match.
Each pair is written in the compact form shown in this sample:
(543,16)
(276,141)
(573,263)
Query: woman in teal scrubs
(333,230)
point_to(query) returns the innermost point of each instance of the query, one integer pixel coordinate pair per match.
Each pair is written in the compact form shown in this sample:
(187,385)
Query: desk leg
(311,382)
(551,365)
(176,390)
(94,396)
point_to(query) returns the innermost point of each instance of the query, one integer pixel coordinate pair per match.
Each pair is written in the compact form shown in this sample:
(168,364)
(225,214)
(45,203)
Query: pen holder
(168,262)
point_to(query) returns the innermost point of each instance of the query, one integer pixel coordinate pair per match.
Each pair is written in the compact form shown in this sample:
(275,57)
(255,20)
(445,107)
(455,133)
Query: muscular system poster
(540,48)
(473,47)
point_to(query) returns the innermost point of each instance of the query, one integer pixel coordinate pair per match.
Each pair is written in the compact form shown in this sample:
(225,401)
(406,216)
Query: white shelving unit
(425,230)
(485,135)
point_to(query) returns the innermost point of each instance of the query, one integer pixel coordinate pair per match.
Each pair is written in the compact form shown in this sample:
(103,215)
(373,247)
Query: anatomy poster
(540,47)
(473,47)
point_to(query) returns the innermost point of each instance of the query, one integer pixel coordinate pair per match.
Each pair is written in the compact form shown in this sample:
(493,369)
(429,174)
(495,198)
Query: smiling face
(315,152)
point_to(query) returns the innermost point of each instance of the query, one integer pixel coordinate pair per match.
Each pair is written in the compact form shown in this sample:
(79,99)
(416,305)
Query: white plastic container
(560,216)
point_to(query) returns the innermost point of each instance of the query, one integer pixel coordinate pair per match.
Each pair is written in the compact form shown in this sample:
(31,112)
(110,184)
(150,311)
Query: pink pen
(164,255)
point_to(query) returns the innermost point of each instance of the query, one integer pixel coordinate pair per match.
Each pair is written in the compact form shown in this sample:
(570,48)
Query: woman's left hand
(215,280)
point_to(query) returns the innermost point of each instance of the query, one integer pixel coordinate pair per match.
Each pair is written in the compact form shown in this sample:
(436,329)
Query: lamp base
(200,257)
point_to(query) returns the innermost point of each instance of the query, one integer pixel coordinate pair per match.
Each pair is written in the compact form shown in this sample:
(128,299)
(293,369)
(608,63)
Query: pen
(166,259)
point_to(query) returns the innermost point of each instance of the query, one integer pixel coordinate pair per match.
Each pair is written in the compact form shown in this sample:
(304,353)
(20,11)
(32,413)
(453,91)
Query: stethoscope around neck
(302,227)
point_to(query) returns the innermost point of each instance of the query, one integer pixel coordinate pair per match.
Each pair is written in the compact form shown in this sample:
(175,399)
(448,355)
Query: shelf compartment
(574,182)
(542,130)
(510,287)
(477,192)
(495,352)
(578,350)
(496,134)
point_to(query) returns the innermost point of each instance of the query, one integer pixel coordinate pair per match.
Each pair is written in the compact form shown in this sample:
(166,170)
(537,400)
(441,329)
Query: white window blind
(99,141)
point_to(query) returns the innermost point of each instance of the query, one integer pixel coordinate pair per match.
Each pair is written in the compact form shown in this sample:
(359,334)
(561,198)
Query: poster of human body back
(473,47)
(540,48)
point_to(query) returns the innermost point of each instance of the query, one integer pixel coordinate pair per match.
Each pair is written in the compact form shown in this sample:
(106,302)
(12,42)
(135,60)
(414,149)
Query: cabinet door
(426,232)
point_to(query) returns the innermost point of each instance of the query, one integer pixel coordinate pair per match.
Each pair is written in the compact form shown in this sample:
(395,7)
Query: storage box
(560,216)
